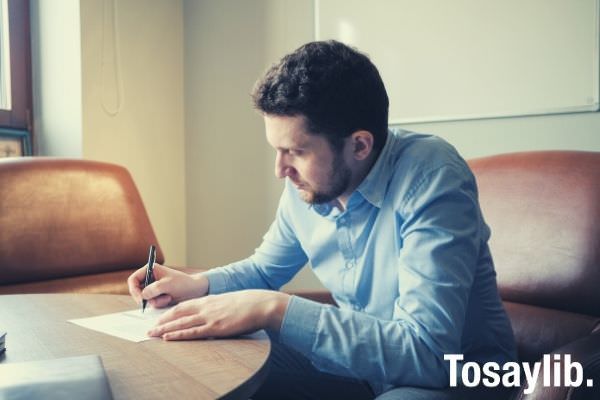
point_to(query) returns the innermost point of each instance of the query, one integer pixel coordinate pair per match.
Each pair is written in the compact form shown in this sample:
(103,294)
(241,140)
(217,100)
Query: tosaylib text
(565,373)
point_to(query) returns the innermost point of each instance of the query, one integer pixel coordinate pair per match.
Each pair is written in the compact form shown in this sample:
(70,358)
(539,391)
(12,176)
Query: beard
(339,180)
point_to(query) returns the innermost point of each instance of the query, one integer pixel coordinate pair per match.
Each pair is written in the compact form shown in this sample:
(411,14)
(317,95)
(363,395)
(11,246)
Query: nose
(282,167)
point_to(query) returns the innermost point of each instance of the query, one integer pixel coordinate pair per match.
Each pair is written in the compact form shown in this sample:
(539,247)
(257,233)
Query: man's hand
(227,314)
(170,286)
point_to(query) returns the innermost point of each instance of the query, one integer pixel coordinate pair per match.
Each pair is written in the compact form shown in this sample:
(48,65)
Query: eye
(295,152)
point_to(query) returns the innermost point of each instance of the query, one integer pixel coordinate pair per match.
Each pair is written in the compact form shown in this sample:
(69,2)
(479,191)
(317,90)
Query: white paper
(130,325)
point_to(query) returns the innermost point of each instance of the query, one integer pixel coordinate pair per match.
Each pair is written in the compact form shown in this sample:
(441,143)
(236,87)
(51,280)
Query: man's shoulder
(414,155)
(417,157)
(421,151)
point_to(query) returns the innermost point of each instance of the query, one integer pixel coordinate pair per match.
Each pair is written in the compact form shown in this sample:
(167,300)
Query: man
(390,223)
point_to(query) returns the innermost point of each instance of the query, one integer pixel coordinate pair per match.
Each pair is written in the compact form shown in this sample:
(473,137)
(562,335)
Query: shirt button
(349,264)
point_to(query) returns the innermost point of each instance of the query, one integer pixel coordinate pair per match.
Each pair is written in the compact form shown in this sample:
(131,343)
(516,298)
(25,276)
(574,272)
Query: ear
(362,144)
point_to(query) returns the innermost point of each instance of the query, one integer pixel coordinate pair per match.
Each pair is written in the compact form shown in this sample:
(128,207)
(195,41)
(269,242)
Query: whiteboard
(464,59)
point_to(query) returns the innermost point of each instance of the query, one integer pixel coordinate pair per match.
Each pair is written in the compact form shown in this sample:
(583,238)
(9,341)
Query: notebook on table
(61,378)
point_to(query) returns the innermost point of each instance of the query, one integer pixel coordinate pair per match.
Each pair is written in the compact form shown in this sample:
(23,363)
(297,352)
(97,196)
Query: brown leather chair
(544,212)
(70,225)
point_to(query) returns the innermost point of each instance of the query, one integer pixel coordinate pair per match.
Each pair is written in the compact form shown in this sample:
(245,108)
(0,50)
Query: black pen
(149,272)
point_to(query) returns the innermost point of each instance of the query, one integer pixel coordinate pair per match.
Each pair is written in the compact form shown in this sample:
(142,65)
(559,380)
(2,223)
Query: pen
(149,272)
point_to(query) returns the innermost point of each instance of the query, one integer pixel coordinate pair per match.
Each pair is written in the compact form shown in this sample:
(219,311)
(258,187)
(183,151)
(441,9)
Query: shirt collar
(325,210)
(375,184)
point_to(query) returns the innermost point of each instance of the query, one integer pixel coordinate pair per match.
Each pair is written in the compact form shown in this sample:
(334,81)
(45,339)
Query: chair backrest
(544,211)
(69,217)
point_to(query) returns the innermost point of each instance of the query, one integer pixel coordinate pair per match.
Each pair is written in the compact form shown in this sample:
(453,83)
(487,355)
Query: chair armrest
(585,351)
(319,296)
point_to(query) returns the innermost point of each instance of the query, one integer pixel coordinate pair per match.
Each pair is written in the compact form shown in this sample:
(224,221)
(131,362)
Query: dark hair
(336,88)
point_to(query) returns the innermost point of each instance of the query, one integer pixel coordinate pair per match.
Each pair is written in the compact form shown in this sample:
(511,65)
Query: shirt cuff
(299,326)
(217,280)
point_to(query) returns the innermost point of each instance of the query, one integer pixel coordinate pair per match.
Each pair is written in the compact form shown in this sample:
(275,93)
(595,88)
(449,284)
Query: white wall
(462,59)
(230,199)
(477,138)
(56,70)
(224,52)
(133,104)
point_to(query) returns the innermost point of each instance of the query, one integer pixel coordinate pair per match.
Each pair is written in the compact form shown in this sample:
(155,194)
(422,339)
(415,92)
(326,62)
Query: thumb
(161,301)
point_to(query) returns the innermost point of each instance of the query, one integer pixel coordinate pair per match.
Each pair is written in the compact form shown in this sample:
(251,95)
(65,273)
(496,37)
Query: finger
(158,271)
(151,291)
(134,284)
(161,285)
(181,310)
(196,332)
(176,325)
(157,288)
(161,301)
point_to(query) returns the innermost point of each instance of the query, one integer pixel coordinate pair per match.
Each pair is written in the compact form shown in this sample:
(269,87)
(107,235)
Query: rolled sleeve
(217,281)
(300,322)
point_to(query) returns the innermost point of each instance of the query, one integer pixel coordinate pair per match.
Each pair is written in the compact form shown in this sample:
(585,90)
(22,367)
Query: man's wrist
(276,310)
(203,284)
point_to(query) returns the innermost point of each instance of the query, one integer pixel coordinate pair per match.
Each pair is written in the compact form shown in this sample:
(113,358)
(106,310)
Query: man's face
(319,174)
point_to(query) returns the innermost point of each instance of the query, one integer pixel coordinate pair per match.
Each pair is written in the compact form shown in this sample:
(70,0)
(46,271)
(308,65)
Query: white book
(80,377)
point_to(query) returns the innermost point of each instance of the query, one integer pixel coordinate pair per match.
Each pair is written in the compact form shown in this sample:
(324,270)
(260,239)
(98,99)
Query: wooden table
(37,329)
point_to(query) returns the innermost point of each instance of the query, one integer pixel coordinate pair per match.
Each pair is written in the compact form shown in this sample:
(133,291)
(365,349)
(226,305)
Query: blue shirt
(407,262)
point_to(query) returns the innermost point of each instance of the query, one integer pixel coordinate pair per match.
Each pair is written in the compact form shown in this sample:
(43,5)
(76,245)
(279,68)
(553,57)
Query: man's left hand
(222,315)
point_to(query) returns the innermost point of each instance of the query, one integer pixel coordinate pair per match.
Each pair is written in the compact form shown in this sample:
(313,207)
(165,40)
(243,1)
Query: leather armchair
(70,225)
(544,212)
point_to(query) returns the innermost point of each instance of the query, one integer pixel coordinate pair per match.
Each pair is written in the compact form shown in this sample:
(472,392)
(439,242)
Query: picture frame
(14,143)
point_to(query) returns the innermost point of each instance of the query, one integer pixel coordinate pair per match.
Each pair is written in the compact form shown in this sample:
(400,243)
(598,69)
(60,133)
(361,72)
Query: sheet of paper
(129,325)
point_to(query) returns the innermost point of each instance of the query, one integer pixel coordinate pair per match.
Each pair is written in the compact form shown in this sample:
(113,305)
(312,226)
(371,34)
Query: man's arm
(441,230)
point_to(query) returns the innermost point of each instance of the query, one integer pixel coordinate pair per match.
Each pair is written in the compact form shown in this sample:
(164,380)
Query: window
(5,99)
(15,73)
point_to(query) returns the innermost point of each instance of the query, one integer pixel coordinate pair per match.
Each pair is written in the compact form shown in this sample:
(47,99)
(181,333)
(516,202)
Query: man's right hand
(170,286)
